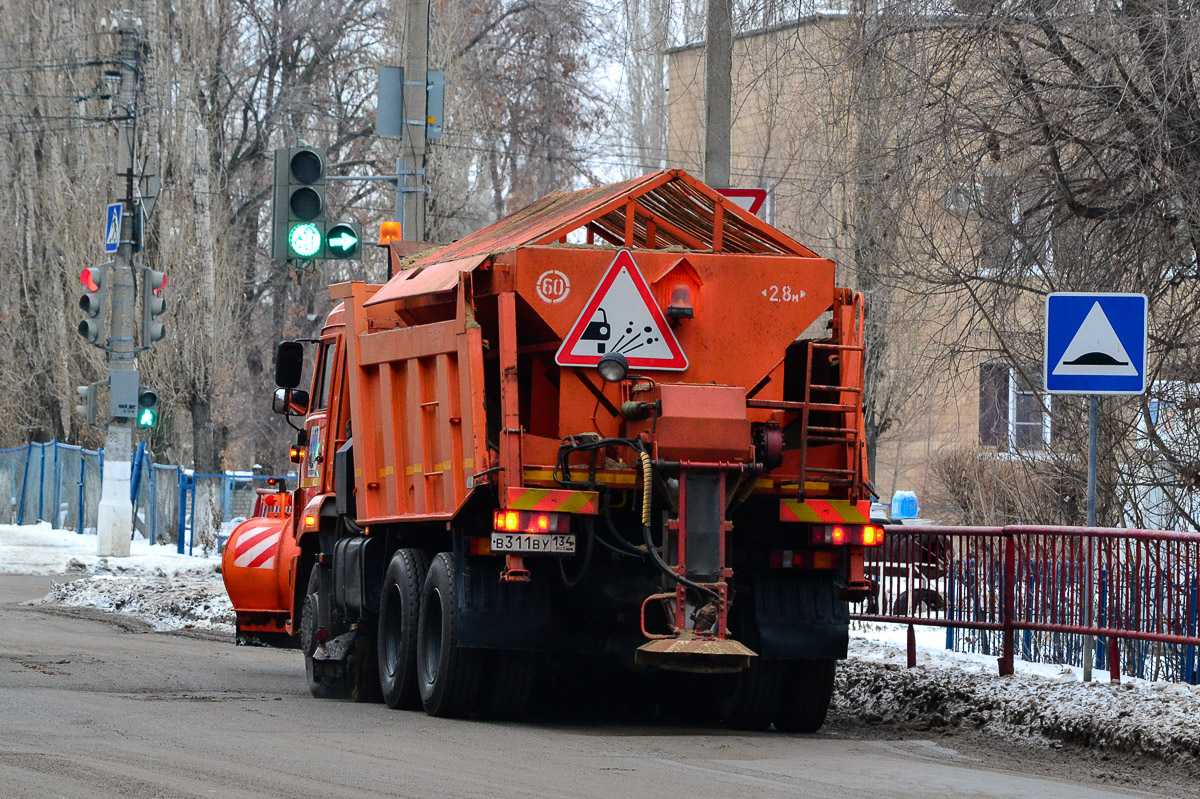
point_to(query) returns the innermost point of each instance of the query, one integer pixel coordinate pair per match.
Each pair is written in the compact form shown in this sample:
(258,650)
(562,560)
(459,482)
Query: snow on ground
(167,590)
(946,691)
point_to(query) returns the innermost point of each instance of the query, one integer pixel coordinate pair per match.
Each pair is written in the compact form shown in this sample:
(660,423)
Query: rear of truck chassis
(473,515)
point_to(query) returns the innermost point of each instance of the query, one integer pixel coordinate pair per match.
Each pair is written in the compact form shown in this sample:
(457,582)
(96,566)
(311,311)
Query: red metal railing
(1049,585)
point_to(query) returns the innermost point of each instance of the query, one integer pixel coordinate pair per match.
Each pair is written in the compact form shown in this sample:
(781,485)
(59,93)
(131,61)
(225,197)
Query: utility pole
(718,92)
(115,516)
(412,163)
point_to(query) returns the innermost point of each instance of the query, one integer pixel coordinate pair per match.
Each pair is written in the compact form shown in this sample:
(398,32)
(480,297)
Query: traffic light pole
(115,516)
(411,198)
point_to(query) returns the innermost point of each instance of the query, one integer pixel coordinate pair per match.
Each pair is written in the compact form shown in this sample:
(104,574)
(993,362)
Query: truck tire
(320,687)
(399,614)
(507,685)
(751,698)
(448,674)
(807,692)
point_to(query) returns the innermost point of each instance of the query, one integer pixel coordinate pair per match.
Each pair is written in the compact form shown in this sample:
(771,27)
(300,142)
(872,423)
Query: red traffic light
(161,286)
(88,278)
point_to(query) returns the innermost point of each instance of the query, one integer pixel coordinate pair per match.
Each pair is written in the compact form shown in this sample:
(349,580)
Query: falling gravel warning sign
(621,316)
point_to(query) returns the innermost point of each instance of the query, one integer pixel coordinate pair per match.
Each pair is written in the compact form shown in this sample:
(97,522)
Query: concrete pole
(718,92)
(416,64)
(114,524)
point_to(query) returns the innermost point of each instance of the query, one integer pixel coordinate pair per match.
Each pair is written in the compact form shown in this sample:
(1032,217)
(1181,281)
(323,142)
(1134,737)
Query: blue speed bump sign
(1096,343)
(112,228)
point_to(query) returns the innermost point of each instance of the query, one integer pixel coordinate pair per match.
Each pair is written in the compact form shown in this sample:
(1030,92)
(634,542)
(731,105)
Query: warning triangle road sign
(622,316)
(1095,349)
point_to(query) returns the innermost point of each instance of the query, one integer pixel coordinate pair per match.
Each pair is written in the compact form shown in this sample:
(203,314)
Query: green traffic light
(305,240)
(344,241)
(146,417)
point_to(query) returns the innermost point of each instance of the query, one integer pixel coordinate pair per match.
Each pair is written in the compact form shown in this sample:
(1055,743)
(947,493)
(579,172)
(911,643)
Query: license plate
(533,543)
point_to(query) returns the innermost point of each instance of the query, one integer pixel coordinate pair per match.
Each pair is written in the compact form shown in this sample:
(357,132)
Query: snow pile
(165,603)
(39,549)
(166,590)
(948,691)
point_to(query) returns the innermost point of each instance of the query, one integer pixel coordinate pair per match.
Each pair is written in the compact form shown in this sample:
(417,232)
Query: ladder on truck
(847,407)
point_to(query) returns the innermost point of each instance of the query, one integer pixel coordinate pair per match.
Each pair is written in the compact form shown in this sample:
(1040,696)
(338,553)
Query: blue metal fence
(60,484)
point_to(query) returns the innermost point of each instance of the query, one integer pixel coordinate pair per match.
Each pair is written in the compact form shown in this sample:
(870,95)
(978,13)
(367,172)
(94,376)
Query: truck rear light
(863,535)
(525,521)
(803,559)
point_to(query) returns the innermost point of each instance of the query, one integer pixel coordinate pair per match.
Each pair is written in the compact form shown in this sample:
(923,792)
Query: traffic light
(92,302)
(153,305)
(88,409)
(147,413)
(344,241)
(298,209)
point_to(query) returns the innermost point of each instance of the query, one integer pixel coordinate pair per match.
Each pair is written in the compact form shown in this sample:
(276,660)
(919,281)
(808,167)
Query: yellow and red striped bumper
(552,500)
(825,511)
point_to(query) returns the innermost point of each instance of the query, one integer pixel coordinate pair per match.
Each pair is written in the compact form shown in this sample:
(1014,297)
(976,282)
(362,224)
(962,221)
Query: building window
(1013,414)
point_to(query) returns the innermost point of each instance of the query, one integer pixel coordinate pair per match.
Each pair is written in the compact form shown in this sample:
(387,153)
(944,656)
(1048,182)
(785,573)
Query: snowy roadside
(166,590)
(947,691)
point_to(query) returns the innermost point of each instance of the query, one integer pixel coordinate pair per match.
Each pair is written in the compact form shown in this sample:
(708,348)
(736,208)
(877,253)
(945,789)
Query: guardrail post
(82,480)
(912,646)
(1099,654)
(1189,651)
(950,607)
(181,522)
(1114,660)
(1009,610)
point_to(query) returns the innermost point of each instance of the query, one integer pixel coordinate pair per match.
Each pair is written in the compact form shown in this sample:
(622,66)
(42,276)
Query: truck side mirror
(290,402)
(289,363)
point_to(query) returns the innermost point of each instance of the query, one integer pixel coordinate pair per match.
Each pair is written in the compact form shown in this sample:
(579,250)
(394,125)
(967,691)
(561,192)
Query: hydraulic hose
(587,558)
(658,561)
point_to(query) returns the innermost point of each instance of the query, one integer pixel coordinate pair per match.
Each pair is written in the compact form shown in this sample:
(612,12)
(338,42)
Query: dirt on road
(95,705)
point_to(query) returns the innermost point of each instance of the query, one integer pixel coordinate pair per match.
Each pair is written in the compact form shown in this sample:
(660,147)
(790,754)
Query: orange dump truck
(624,422)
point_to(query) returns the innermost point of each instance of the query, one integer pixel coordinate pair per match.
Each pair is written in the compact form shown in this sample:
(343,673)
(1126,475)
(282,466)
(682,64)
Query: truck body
(622,423)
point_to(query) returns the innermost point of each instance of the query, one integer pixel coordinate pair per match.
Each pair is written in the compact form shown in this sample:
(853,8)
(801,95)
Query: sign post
(1095,344)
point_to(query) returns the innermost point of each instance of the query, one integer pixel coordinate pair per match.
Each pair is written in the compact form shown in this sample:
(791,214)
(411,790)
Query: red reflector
(479,545)
(322,635)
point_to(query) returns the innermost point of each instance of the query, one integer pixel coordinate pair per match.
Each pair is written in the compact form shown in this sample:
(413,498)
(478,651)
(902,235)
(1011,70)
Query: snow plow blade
(260,592)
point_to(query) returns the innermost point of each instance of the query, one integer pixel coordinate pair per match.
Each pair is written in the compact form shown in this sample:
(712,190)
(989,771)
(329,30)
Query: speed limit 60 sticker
(553,286)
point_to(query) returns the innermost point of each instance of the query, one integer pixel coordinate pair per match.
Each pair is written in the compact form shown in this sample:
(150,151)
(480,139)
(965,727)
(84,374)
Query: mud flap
(495,615)
(800,616)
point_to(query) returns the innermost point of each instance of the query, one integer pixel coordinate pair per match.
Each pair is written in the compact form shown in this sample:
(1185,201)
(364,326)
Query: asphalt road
(91,706)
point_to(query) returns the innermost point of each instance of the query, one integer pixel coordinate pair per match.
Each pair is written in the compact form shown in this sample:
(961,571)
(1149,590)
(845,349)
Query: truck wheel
(399,612)
(448,674)
(751,697)
(807,692)
(508,684)
(320,687)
